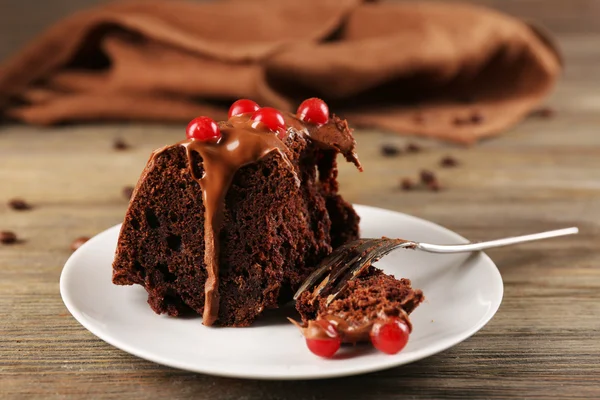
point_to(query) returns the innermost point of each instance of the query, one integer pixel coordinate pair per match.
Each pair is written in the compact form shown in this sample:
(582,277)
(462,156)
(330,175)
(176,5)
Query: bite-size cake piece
(372,307)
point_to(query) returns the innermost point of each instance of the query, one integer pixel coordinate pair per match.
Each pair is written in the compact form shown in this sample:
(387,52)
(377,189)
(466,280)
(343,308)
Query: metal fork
(350,260)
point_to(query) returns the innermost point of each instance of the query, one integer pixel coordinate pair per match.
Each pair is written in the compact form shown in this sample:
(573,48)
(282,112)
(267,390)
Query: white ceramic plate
(463,292)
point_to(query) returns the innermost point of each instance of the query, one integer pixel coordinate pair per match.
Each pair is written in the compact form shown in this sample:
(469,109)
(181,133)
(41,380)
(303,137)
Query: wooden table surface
(544,341)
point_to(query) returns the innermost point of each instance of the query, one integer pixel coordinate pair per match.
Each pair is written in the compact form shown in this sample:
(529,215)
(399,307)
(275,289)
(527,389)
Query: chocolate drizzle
(241,144)
(350,332)
(353,332)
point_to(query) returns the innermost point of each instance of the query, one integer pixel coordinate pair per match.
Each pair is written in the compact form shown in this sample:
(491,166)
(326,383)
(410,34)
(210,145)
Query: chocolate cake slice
(373,296)
(228,228)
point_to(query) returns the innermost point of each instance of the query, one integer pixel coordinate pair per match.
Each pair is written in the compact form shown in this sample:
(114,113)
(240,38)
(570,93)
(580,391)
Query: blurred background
(21,20)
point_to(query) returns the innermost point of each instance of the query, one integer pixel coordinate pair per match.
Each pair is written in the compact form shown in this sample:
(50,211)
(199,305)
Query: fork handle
(461,248)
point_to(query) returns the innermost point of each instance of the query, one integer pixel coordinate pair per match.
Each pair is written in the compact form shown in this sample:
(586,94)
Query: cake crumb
(8,237)
(77,243)
(19,204)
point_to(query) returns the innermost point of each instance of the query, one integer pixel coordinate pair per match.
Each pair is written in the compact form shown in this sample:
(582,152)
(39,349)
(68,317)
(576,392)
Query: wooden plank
(544,342)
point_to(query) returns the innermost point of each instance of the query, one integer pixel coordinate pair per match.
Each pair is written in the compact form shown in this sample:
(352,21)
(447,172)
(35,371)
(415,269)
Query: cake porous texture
(231,228)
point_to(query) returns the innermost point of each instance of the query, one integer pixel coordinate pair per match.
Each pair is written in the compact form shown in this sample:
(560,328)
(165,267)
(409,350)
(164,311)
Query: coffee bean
(407,184)
(448,162)
(19,205)
(389,150)
(120,144)
(427,176)
(8,237)
(413,148)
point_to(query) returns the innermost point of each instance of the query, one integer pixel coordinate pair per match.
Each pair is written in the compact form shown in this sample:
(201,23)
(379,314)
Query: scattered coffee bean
(434,186)
(476,117)
(120,144)
(128,192)
(413,148)
(448,162)
(427,176)
(390,150)
(544,112)
(77,243)
(8,237)
(407,184)
(19,204)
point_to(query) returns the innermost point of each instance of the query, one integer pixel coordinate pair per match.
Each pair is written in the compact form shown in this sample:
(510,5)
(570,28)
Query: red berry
(322,338)
(243,106)
(390,336)
(269,116)
(203,128)
(313,110)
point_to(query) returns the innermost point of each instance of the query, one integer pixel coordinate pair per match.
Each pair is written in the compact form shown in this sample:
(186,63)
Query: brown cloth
(445,70)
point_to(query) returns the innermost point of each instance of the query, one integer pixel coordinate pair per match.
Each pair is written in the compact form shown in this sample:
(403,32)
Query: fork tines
(346,263)
(358,261)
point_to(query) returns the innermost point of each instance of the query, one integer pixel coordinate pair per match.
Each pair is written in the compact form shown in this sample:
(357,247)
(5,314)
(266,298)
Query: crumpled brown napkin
(445,70)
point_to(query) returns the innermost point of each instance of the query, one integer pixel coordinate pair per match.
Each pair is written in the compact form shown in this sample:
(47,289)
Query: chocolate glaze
(314,330)
(352,332)
(244,142)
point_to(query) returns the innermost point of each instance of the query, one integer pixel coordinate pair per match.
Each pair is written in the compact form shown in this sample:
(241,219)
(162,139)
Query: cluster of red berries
(388,336)
(313,111)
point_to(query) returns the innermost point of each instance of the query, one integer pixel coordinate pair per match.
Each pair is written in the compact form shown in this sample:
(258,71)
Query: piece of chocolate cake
(373,296)
(230,226)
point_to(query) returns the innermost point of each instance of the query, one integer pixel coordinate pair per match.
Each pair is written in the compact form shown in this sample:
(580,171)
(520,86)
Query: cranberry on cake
(229,222)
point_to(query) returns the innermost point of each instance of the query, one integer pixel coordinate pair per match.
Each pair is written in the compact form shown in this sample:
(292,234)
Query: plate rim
(283,374)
